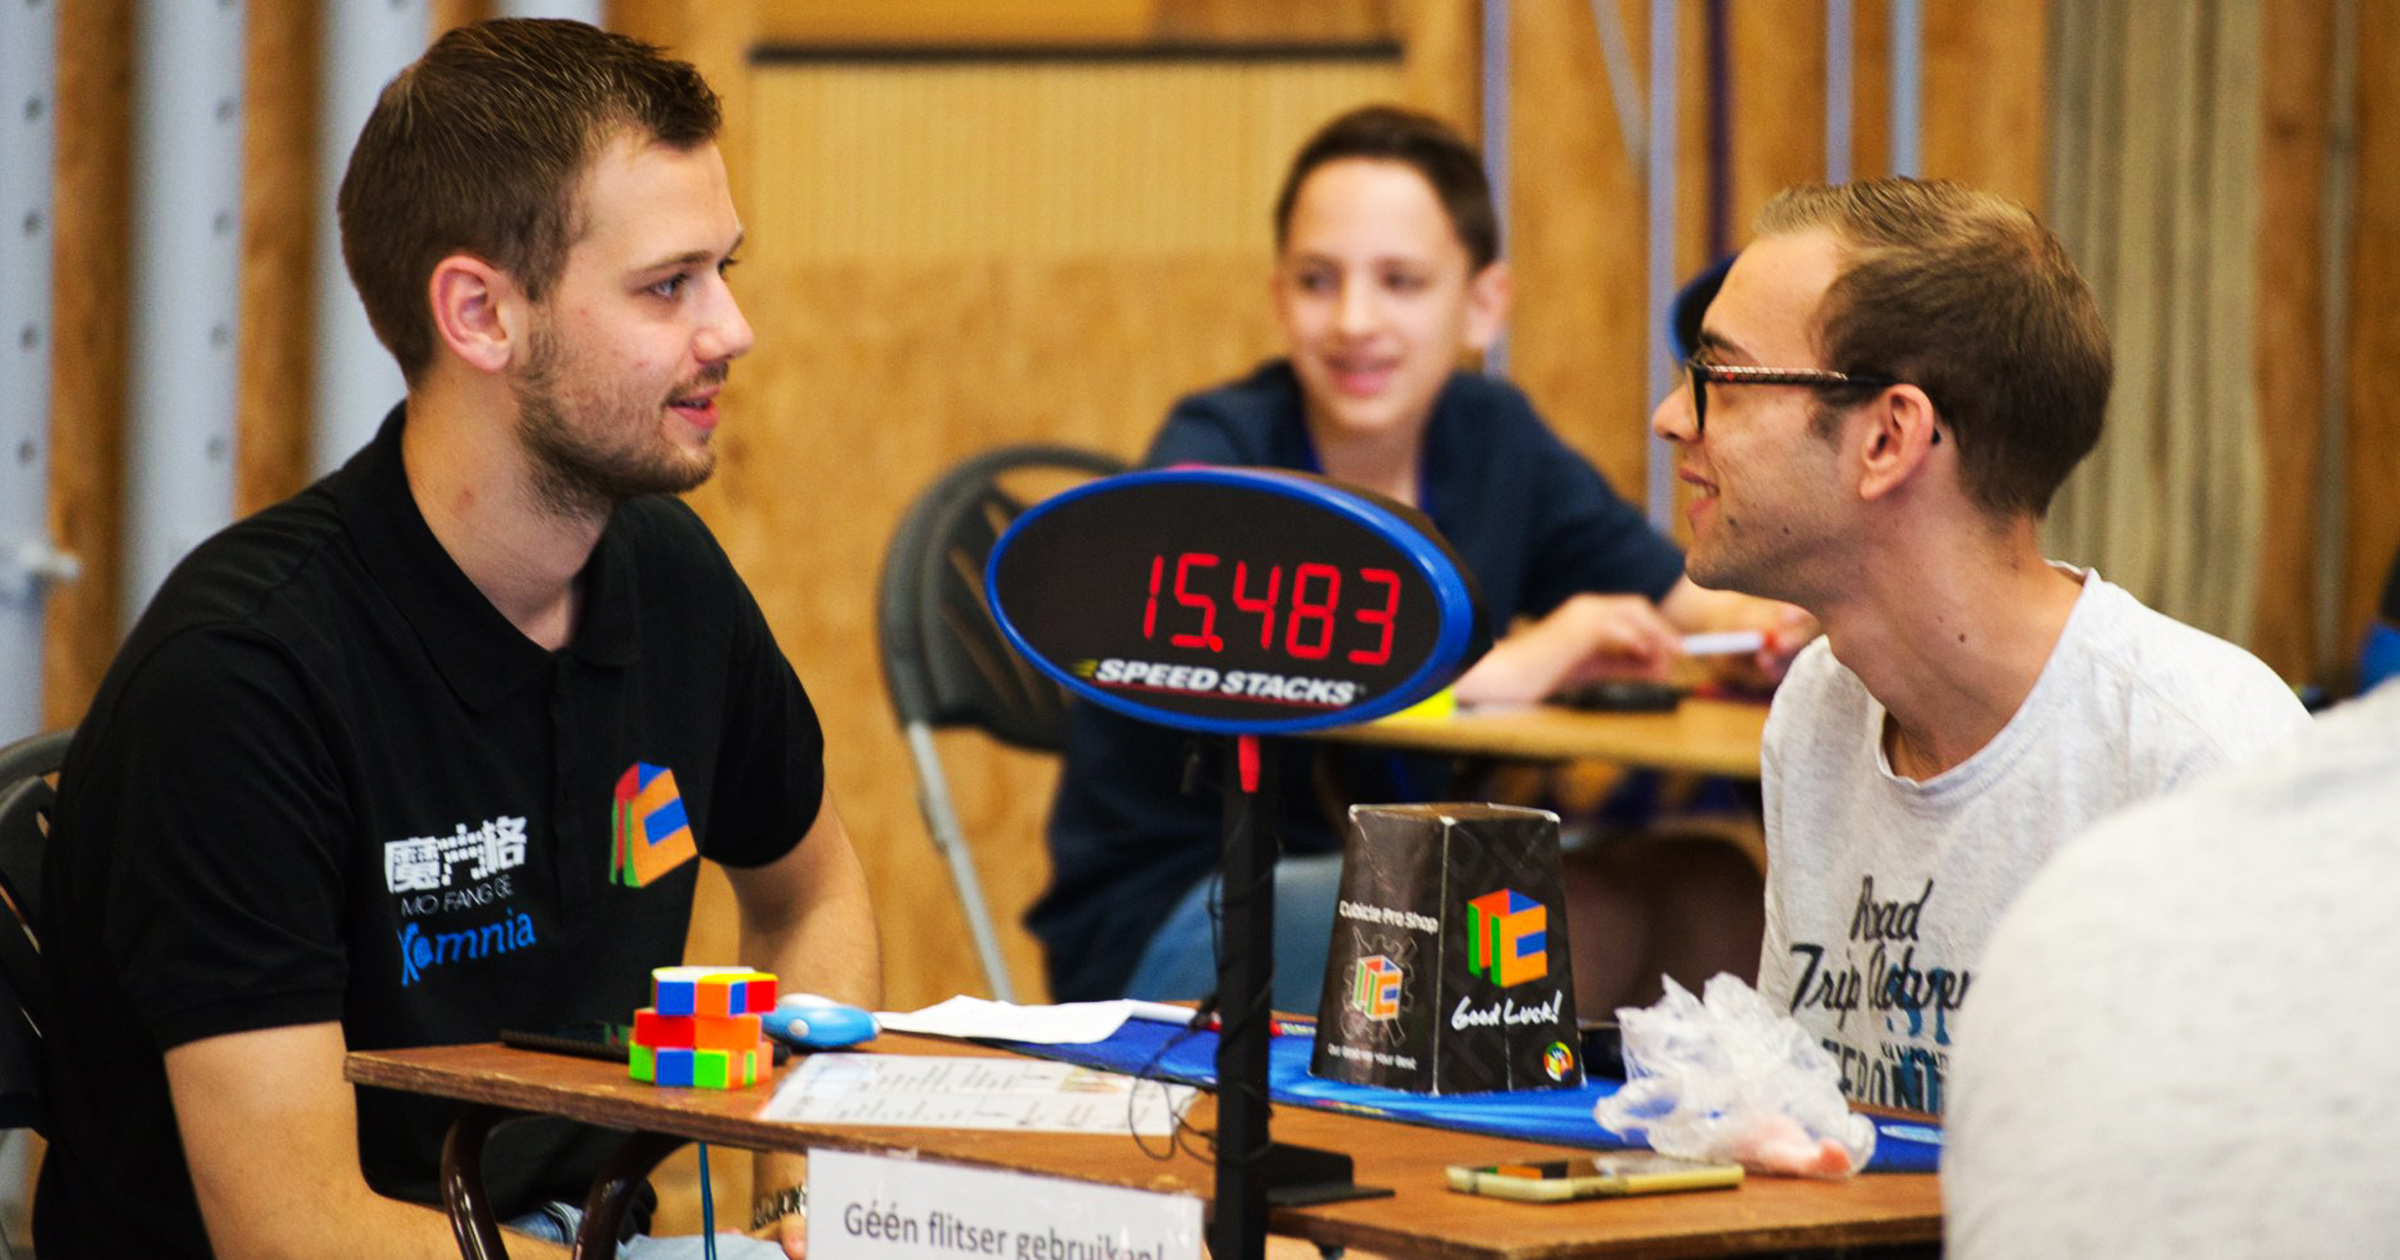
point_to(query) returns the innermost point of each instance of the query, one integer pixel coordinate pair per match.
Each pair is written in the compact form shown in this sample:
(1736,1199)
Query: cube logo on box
(653,835)
(1375,988)
(1508,938)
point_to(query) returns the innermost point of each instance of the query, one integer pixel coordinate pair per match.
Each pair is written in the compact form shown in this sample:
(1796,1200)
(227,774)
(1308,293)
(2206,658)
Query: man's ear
(1898,442)
(1489,293)
(477,311)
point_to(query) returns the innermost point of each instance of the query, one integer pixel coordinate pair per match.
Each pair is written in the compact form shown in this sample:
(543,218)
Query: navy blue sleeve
(1250,423)
(1531,516)
(1196,432)
(1584,538)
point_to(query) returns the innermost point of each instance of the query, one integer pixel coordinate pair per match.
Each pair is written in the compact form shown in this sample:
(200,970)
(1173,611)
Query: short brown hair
(481,146)
(1967,296)
(1389,133)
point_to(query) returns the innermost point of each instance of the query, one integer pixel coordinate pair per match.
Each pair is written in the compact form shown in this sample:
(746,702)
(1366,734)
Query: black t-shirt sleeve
(227,896)
(771,754)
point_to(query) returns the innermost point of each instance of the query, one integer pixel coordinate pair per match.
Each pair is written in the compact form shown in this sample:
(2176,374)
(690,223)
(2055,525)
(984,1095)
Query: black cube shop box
(1448,972)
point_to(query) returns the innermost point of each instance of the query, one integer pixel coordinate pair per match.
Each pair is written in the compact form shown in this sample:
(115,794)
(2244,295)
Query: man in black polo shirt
(432,747)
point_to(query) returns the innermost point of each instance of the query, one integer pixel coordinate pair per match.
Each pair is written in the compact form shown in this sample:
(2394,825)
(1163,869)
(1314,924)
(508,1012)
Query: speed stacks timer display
(1235,600)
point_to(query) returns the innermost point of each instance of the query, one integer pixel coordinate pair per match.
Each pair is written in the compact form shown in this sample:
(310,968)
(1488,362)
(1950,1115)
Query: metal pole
(950,839)
(1245,977)
(1495,146)
(585,11)
(354,380)
(186,271)
(1839,50)
(1908,87)
(1624,90)
(28,560)
(1661,487)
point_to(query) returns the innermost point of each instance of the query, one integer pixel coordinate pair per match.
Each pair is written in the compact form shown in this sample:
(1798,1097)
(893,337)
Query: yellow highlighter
(1440,704)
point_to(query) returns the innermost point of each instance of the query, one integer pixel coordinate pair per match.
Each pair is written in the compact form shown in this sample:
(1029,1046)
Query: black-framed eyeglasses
(1702,375)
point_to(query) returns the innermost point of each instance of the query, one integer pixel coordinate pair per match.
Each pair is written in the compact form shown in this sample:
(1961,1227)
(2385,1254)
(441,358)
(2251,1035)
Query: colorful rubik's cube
(702,1027)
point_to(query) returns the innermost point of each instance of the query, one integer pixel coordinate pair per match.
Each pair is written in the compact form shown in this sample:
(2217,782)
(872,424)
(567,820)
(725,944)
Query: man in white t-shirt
(1889,388)
(2182,1042)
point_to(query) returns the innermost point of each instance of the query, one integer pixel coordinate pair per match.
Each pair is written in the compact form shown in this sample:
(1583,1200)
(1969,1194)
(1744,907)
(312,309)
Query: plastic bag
(1732,1078)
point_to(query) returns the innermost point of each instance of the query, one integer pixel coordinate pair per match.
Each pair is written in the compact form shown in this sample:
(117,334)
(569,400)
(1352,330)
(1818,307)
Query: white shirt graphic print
(1881,889)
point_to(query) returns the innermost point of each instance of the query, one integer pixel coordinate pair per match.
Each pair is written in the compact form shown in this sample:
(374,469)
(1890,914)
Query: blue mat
(1559,1116)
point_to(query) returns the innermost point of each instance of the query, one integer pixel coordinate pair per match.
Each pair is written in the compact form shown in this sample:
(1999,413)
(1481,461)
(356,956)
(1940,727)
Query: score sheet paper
(1026,1095)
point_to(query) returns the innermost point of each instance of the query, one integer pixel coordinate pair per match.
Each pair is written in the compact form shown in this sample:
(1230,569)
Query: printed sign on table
(871,1207)
(1449,968)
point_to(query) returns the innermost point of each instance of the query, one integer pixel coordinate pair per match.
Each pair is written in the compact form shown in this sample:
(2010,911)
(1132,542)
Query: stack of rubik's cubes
(702,1028)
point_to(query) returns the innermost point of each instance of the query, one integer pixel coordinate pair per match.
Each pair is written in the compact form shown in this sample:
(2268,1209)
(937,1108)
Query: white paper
(1027,1095)
(1067,1023)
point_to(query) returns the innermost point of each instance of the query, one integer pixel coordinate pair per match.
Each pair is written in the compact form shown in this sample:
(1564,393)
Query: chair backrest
(25,798)
(944,660)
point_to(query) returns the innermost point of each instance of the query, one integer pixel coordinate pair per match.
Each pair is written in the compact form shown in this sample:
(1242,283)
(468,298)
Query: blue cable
(708,1208)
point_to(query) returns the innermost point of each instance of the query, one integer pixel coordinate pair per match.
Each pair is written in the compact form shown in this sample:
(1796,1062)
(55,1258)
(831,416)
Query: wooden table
(1425,1219)
(1708,736)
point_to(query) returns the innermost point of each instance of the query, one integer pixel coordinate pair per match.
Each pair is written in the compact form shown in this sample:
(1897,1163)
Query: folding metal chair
(944,660)
(25,798)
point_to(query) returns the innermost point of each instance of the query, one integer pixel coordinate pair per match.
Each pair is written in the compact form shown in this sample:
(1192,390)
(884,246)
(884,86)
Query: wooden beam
(2290,331)
(88,360)
(2374,350)
(279,223)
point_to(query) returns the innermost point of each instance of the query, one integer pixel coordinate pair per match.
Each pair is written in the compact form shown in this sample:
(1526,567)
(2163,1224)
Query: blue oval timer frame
(1234,601)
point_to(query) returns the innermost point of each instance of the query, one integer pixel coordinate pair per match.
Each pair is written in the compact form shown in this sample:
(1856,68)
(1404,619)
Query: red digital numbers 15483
(1306,600)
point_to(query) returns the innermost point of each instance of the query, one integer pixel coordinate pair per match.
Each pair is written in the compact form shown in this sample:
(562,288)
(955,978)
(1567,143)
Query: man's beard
(584,472)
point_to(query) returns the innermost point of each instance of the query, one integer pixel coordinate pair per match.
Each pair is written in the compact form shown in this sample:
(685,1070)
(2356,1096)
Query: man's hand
(1788,628)
(789,1231)
(1586,638)
(270,1130)
(773,1172)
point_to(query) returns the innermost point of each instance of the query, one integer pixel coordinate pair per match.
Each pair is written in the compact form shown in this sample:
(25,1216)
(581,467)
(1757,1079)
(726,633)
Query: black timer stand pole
(1253,1171)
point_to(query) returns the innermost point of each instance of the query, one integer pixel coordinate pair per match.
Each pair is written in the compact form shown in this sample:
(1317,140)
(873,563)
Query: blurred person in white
(2181,1043)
